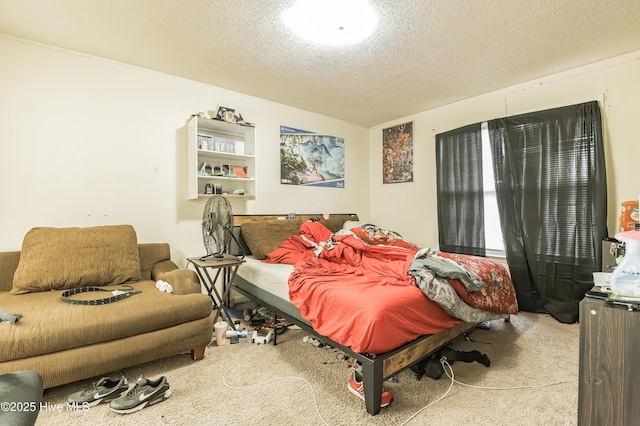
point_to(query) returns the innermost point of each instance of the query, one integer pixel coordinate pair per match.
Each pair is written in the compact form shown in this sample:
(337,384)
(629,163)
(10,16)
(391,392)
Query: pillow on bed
(264,236)
(334,223)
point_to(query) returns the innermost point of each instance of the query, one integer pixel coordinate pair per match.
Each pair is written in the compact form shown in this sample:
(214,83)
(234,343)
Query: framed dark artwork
(397,154)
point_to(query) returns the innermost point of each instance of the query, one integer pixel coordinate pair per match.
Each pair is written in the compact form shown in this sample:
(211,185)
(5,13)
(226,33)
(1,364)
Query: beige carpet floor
(532,380)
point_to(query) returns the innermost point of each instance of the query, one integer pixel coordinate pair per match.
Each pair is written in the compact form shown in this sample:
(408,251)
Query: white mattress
(272,277)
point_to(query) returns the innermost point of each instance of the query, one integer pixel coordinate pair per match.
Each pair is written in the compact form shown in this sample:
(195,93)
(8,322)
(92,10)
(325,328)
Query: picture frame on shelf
(220,115)
(239,172)
(206,169)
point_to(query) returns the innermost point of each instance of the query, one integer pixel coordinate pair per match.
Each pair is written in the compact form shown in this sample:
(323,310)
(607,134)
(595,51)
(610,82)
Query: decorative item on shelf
(239,171)
(205,169)
(203,114)
(208,189)
(205,142)
(230,115)
(217,170)
(221,111)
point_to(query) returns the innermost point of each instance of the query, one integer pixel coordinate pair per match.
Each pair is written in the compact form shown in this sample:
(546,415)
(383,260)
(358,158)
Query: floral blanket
(476,289)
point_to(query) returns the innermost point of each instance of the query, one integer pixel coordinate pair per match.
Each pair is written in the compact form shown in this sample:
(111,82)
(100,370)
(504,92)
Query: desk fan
(217,221)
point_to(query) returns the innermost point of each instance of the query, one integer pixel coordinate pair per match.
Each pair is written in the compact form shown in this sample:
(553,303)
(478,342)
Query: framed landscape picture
(311,159)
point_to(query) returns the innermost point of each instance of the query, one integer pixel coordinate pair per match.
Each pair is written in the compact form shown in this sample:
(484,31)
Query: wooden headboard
(239,219)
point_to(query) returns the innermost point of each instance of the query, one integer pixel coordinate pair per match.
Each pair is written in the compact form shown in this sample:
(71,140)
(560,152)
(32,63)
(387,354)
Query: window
(535,182)
(493,240)
(460,200)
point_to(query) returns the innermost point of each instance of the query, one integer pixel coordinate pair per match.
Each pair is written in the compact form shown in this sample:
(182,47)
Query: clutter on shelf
(226,114)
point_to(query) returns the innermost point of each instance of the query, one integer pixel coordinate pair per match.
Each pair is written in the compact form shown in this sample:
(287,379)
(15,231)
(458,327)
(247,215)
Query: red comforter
(357,294)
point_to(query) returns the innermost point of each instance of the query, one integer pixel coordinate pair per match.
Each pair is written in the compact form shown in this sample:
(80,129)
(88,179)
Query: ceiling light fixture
(332,22)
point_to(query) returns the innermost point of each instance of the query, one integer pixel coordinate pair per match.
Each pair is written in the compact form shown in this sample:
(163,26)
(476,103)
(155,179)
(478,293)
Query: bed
(305,271)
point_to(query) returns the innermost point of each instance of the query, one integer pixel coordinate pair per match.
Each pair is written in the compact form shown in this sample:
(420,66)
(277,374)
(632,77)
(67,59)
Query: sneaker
(144,393)
(104,390)
(357,388)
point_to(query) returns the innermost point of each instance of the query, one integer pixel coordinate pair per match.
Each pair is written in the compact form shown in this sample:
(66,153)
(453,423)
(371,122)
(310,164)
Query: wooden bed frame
(375,368)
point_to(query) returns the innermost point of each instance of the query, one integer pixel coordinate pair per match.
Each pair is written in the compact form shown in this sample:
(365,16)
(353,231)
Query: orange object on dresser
(629,215)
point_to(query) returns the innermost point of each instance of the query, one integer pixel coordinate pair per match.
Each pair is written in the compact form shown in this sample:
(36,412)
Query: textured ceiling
(424,53)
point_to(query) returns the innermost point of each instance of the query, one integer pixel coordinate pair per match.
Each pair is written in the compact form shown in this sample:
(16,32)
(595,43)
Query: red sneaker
(357,388)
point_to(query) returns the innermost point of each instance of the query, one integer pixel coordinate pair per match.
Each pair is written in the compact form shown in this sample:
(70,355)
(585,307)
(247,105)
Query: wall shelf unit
(223,155)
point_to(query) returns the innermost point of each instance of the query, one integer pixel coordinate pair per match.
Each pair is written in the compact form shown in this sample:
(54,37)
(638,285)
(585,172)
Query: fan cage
(217,222)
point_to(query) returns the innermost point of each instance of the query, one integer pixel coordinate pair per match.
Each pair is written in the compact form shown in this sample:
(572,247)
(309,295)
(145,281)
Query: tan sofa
(68,342)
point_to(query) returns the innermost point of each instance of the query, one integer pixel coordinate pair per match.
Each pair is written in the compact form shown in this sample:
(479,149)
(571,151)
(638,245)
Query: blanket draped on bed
(364,296)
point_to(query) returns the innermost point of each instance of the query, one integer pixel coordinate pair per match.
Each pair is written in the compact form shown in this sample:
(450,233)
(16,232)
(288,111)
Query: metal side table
(226,266)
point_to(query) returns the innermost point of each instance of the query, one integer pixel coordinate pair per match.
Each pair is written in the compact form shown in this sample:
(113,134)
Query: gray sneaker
(145,392)
(104,390)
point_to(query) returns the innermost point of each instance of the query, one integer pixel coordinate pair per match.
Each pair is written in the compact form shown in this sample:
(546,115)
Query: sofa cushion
(49,325)
(150,255)
(62,258)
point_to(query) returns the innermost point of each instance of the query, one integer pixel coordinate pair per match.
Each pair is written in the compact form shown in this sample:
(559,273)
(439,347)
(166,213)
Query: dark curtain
(460,192)
(549,168)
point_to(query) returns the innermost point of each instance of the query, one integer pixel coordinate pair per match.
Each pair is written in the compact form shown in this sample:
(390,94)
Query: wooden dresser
(609,389)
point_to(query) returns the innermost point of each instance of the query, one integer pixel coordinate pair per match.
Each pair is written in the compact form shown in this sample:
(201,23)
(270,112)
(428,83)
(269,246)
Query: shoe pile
(104,390)
(356,386)
(121,399)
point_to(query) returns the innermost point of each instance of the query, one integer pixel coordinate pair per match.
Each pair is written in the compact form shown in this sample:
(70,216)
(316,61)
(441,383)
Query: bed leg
(275,338)
(508,319)
(372,381)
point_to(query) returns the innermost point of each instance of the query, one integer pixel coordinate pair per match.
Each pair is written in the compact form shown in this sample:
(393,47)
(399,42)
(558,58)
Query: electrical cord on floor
(313,393)
(559,382)
(445,365)
(447,368)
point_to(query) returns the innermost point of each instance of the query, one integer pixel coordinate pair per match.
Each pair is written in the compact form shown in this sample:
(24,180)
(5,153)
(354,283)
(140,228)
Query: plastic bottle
(625,280)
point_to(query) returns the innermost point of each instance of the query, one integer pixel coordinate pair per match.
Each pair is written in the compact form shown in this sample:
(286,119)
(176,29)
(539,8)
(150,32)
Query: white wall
(410,208)
(86,141)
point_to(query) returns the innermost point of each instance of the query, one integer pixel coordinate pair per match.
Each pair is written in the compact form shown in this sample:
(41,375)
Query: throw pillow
(63,258)
(264,236)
